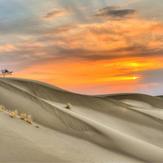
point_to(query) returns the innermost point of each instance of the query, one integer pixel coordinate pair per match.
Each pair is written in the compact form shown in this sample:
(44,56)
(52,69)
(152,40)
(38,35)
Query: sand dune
(160,96)
(120,128)
(139,98)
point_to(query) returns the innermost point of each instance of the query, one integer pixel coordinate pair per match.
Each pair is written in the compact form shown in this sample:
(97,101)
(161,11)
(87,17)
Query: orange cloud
(55,14)
(7,48)
(124,73)
(100,57)
(125,37)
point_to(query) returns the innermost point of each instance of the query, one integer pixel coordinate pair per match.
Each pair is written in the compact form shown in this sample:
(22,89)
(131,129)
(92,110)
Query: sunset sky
(85,46)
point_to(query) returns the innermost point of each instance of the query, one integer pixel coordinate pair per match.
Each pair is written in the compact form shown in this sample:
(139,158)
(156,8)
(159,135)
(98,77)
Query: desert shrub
(68,106)
(16,112)
(28,119)
(2,108)
(23,116)
(13,114)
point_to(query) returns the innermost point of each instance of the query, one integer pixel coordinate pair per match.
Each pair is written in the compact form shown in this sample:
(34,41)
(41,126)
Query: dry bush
(2,108)
(29,119)
(13,114)
(23,116)
(68,106)
(16,112)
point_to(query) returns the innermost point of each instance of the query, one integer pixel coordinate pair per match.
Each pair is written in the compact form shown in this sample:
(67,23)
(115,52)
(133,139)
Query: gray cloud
(58,52)
(154,79)
(115,12)
(152,76)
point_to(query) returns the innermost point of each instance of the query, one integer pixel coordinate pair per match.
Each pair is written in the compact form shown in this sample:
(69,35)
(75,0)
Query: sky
(85,46)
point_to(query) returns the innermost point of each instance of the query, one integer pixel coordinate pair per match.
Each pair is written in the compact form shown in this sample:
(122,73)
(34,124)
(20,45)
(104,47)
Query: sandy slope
(140,99)
(160,96)
(122,128)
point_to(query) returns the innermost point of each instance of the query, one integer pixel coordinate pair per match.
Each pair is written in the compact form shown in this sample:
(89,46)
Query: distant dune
(160,96)
(151,100)
(77,128)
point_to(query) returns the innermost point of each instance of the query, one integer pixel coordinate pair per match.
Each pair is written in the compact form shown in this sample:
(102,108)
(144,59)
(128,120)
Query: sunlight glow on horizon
(86,46)
(85,74)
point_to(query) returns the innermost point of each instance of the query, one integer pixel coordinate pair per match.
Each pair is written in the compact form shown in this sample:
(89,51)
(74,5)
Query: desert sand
(124,128)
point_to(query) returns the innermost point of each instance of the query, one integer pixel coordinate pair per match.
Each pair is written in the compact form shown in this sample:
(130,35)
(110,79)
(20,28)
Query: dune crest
(119,128)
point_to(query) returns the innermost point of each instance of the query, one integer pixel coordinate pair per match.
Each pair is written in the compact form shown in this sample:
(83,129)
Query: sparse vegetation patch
(14,114)
(23,116)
